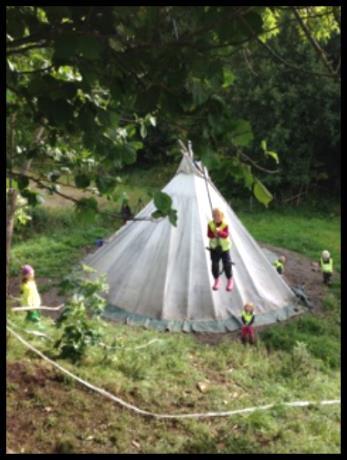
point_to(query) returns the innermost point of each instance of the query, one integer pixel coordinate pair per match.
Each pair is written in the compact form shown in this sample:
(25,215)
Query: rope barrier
(43,307)
(166,416)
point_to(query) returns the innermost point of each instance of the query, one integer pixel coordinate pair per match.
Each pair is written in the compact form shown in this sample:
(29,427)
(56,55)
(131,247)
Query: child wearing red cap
(30,296)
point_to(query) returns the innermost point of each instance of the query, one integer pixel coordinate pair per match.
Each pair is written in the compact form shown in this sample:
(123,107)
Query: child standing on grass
(247,317)
(29,294)
(326,265)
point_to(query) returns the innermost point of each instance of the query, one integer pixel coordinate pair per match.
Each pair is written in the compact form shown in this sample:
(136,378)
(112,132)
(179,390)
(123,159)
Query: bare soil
(41,413)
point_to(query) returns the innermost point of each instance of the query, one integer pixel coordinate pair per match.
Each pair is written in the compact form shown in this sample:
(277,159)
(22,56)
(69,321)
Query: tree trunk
(12,195)
(10,215)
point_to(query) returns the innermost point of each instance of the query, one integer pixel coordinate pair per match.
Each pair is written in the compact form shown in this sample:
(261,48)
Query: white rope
(120,348)
(166,416)
(27,308)
(29,331)
(144,345)
(43,307)
(102,344)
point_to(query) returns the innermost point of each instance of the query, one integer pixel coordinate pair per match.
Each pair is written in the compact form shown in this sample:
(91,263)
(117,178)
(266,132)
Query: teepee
(160,275)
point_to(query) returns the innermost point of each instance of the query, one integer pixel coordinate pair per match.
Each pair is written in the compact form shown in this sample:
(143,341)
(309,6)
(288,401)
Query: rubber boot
(230,284)
(216,285)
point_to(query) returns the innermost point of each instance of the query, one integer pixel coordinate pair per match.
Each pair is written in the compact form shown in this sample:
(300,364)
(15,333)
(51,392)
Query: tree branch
(74,200)
(320,52)
(283,61)
(261,168)
(30,47)
(44,69)
(43,185)
(249,65)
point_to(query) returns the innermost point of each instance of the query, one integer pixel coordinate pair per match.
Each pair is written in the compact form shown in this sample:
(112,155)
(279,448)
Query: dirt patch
(298,272)
(24,411)
(47,414)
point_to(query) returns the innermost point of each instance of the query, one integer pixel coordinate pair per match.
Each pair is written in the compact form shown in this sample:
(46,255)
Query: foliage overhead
(100,80)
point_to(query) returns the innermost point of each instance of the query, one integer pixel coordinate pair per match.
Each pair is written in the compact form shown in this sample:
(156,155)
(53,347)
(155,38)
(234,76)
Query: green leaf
(261,193)
(229,78)
(157,214)
(152,120)
(162,201)
(128,154)
(10,96)
(82,180)
(274,155)
(247,175)
(137,145)
(263,145)
(210,159)
(242,134)
(173,217)
(32,197)
(143,131)
(10,64)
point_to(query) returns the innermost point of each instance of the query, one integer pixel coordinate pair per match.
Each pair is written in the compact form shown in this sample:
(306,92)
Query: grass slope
(47,412)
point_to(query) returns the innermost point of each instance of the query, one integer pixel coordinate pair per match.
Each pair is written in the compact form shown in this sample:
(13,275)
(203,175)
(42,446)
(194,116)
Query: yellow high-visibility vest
(247,316)
(30,296)
(326,265)
(278,264)
(224,243)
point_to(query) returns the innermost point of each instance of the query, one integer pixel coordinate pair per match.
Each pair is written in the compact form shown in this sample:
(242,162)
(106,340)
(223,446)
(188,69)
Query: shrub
(79,318)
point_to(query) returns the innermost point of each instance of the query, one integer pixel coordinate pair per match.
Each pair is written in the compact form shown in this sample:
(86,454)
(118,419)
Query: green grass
(164,378)
(299,231)
(298,360)
(58,234)
(56,241)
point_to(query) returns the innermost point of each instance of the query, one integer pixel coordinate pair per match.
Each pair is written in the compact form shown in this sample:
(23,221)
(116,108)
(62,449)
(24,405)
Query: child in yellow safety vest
(247,317)
(326,265)
(29,293)
(220,244)
(279,264)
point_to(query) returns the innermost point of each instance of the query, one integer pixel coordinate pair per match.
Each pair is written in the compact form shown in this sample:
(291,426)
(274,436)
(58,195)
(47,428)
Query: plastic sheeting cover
(160,275)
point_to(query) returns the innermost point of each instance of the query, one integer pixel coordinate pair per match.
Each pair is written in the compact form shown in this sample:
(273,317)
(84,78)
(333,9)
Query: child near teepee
(247,330)
(29,293)
(220,244)
(279,264)
(326,265)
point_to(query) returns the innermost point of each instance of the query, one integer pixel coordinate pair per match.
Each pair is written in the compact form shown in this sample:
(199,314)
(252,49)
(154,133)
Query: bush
(79,318)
